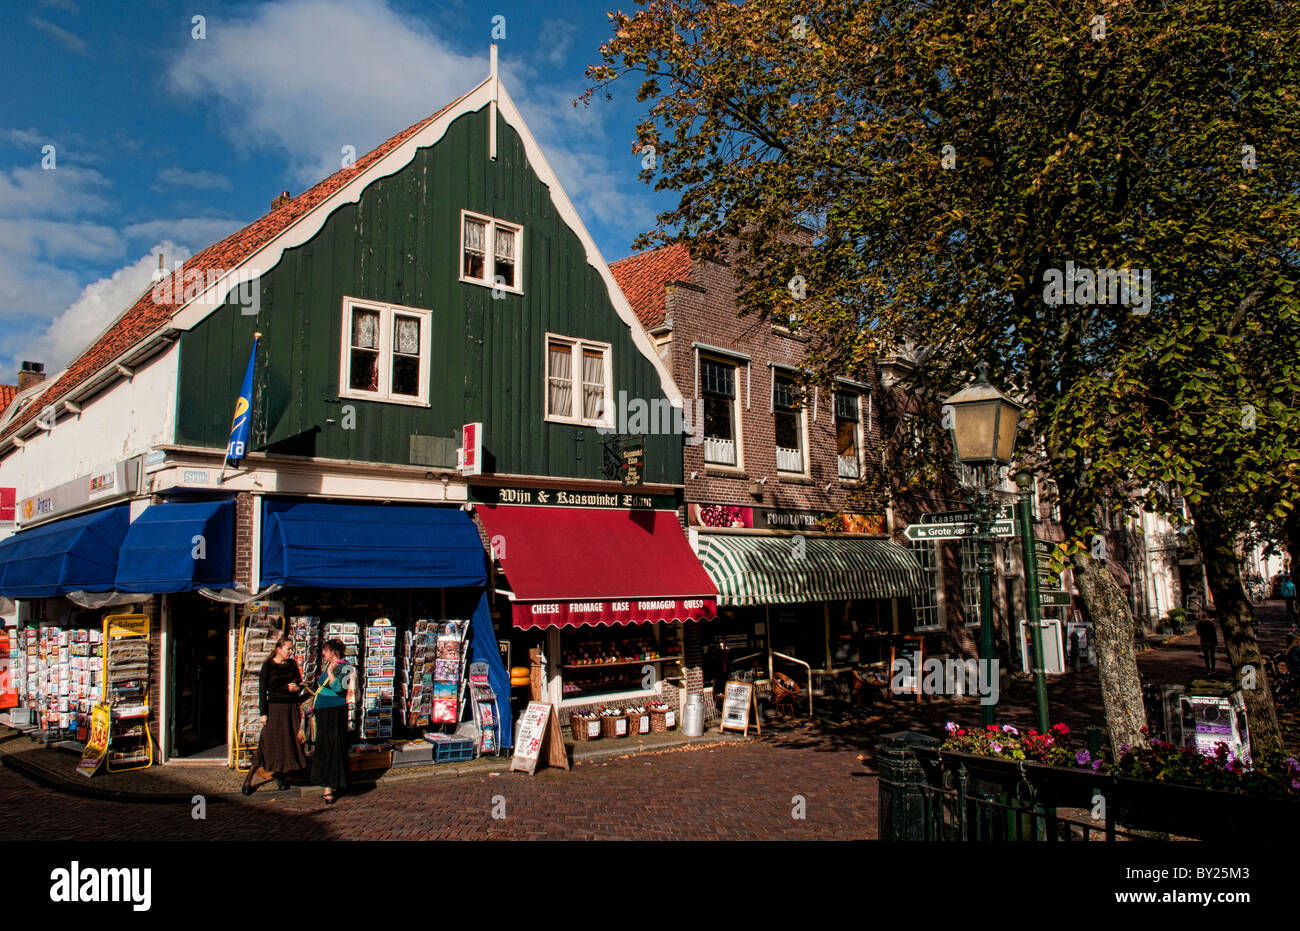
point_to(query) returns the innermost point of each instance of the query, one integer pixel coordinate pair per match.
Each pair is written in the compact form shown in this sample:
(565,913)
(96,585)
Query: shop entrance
(199,677)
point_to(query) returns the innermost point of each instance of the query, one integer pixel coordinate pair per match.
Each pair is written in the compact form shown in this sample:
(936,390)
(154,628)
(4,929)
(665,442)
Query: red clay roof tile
(643,276)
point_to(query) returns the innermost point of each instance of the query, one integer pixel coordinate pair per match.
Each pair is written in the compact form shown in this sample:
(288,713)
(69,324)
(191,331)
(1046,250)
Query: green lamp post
(982,423)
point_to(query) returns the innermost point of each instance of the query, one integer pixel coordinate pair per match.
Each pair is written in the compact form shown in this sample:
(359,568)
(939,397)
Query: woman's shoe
(329,799)
(281,784)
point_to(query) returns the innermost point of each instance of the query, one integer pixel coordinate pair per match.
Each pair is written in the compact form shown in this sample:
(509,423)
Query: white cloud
(308,77)
(30,238)
(65,38)
(195,232)
(98,305)
(193,180)
(63,191)
(555,38)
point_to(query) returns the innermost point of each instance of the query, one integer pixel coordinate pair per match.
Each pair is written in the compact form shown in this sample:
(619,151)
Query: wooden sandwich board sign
(538,733)
(736,704)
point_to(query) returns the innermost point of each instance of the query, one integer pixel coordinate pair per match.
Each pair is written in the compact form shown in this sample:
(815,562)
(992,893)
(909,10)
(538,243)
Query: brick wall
(244,503)
(704,310)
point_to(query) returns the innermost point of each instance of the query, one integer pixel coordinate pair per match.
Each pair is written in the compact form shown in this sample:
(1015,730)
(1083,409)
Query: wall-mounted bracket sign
(471,442)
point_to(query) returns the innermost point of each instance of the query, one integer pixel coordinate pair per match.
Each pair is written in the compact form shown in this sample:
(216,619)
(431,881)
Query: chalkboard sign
(736,704)
(538,732)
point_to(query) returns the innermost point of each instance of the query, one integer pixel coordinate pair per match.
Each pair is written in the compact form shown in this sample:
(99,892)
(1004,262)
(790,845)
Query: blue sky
(166,142)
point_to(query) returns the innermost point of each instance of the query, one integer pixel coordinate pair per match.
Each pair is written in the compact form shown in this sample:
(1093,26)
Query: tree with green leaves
(1099,199)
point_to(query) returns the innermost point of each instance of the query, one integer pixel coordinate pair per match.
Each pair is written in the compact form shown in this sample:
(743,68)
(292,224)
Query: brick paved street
(733,792)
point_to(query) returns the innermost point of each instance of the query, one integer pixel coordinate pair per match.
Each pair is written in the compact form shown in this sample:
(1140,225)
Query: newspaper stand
(126,690)
(258,632)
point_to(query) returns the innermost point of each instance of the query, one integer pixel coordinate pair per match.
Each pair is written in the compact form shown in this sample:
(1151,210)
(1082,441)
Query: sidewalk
(180,782)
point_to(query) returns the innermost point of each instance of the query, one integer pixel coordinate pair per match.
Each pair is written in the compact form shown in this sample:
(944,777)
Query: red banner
(8,504)
(605,613)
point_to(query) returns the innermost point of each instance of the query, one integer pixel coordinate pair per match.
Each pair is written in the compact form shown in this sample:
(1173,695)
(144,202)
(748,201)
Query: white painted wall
(126,419)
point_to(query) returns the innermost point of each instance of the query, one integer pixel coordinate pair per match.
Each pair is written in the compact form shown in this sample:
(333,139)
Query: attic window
(490,252)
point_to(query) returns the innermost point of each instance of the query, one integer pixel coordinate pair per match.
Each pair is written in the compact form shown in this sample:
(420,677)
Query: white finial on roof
(492,106)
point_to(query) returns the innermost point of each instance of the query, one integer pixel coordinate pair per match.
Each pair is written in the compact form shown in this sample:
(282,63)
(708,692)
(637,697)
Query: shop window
(386,352)
(490,252)
(925,607)
(721,415)
(848,434)
(578,378)
(788,414)
(598,662)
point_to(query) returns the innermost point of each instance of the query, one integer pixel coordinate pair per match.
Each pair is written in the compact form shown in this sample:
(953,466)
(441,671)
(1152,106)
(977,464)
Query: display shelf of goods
(126,648)
(419,659)
(349,632)
(610,653)
(584,667)
(380,676)
(305,632)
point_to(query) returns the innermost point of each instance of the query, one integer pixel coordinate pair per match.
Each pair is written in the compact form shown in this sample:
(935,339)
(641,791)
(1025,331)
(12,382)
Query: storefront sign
(8,505)
(118,481)
(728,516)
(633,461)
(962,517)
(538,733)
(92,757)
(471,445)
(552,497)
(736,704)
(630,611)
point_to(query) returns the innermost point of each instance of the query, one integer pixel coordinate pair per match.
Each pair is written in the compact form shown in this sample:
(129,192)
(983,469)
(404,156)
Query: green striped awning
(753,570)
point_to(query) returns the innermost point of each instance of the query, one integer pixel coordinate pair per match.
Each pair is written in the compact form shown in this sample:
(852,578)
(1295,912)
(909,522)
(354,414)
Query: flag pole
(226,458)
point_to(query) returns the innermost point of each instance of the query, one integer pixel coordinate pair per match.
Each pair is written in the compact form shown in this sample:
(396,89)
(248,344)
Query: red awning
(573,566)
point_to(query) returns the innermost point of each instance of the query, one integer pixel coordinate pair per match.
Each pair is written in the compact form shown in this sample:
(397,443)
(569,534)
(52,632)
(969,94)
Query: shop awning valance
(569,567)
(753,570)
(70,555)
(179,547)
(322,544)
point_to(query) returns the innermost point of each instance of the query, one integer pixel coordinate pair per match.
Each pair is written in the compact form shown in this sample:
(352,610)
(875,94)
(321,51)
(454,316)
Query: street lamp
(982,422)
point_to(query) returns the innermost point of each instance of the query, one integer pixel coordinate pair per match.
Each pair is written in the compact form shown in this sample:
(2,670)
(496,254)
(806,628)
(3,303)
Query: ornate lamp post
(982,422)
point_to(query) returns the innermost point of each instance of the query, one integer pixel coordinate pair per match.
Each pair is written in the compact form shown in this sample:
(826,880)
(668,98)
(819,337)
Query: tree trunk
(1112,621)
(1237,620)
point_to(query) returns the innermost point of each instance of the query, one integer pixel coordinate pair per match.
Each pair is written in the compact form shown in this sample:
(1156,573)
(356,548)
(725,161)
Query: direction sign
(1043,548)
(1054,599)
(963,517)
(919,532)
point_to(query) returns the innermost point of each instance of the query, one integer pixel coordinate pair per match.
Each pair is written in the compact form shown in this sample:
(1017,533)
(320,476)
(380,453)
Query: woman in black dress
(329,758)
(279,694)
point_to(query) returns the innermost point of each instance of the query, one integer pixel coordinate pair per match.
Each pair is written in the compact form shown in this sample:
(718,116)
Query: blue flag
(239,427)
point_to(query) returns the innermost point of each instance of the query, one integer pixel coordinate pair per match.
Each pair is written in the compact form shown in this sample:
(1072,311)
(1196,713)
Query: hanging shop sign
(737,702)
(108,484)
(538,735)
(559,497)
(471,449)
(633,466)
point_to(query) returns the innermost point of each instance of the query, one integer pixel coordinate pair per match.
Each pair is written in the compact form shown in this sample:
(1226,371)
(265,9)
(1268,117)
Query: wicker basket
(659,721)
(609,725)
(582,730)
(636,721)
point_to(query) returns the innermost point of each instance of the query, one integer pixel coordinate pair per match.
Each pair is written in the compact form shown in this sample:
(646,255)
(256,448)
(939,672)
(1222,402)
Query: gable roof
(147,315)
(644,275)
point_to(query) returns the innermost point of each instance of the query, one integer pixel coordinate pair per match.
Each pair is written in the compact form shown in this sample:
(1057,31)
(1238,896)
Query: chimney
(284,198)
(31,373)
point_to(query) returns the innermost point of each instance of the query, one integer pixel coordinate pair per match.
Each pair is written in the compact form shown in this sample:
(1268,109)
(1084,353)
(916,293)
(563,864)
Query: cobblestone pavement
(738,791)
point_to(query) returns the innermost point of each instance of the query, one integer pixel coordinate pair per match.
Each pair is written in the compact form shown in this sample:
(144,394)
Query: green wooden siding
(401,244)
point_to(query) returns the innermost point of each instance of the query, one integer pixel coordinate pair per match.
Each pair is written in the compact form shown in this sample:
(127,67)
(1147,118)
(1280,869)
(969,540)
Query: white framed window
(386,352)
(718,380)
(925,606)
(579,376)
(848,434)
(791,433)
(491,252)
(970,583)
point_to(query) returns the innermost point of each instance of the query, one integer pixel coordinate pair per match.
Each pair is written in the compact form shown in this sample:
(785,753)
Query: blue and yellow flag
(239,426)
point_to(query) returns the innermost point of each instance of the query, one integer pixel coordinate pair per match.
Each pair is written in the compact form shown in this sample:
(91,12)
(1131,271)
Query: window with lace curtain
(385,352)
(490,252)
(578,376)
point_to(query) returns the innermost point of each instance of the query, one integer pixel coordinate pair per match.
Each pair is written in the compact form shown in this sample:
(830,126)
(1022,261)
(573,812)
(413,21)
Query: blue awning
(76,554)
(179,547)
(323,544)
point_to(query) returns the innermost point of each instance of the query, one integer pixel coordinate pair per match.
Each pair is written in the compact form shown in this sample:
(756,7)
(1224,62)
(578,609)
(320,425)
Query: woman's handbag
(307,724)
